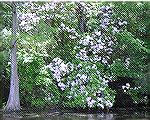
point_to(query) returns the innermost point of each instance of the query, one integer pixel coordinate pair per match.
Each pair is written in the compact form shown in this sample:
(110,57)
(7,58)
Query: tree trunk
(1,104)
(13,103)
(148,84)
(81,17)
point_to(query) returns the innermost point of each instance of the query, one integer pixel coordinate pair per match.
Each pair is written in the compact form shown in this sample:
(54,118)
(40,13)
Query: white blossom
(82,88)
(73,83)
(64,67)
(108,103)
(61,85)
(94,67)
(88,99)
(62,25)
(115,30)
(69,97)
(5,32)
(120,23)
(99,99)
(84,77)
(98,33)
(127,85)
(123,87)
(125,22)
(100,105)
(91,102)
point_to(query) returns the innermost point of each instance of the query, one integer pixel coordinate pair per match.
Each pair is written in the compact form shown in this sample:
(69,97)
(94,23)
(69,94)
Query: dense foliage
(68,52)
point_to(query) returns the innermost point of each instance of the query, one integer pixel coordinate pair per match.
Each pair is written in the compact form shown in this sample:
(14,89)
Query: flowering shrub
(135,93)
(59,69)
(84,86)
(87,87)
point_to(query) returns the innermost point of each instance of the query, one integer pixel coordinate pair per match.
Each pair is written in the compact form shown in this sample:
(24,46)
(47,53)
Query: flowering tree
(104,46)
(85,75)
(84,85)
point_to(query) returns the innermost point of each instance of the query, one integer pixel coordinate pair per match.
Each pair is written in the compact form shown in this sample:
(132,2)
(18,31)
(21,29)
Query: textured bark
(13,103)
(1,93)
(81,17)
(148,84)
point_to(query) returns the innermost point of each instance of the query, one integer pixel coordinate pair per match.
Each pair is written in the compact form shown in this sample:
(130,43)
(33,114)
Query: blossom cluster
(96,48)
(106,16)
(31,16)
(87,81)
(28,20)
(100,102)
(118,25)
(126,87)
(59,69)
(5,32)
(72,32)
(106,20)
(84,81)
(99,46)
(37,7)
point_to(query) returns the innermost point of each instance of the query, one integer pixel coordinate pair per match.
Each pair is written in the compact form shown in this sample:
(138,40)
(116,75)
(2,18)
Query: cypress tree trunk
(1,93)
(13,103)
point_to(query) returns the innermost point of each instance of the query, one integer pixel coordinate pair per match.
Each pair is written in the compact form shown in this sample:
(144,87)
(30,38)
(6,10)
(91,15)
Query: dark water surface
(119,115)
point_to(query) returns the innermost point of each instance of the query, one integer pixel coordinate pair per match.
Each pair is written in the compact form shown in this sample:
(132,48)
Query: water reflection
(123,115)
(100,117)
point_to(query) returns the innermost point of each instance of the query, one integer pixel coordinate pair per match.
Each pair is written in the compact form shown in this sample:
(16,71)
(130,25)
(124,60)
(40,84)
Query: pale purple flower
(91,102)
(61,85)
(88,99)
(23,23)
(62,25)
(98,33)
(104,61)
(120,23)
(94,67)
(82,88)
(115,30)
(63,67)
(99,99)
(127,61)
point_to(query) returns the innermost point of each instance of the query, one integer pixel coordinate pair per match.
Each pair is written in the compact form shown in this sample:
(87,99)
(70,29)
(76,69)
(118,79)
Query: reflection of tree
(109,117)
(12,116)
(101,116)
(91,117)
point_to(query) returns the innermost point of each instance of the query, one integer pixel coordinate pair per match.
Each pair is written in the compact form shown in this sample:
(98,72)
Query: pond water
(120,115)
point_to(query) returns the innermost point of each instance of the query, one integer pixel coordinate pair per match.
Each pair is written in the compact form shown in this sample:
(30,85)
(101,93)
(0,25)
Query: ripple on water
(75,116)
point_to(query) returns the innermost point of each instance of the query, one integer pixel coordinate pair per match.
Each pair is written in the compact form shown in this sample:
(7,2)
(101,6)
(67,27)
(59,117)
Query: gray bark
(81,17)
(1,93)
(13,103)
(148,79)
